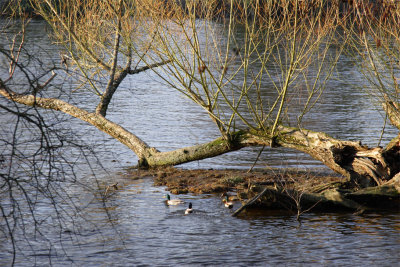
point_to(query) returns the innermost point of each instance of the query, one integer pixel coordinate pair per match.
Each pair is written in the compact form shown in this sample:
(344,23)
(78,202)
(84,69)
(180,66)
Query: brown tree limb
(363,165)
(251,201)
(360,164)
(140,148)
(69,30)
(111,88)
(393,111)
(116,81)
(147,67)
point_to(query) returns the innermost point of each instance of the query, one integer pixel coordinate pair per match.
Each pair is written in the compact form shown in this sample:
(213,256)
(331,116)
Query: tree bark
(362,165)
(140,148)
(358,163)
(383,197)
(393,111)
(117,80)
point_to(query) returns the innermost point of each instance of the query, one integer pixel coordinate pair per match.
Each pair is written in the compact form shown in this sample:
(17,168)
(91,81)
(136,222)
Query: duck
(175,201)
(227,203)
(190,209)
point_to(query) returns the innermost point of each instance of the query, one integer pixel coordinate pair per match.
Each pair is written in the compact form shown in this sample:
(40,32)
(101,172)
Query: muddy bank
(179,181)
(279,189)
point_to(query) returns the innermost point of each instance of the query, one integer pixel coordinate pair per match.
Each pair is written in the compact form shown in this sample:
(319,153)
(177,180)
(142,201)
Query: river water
(142,230)
(134,227)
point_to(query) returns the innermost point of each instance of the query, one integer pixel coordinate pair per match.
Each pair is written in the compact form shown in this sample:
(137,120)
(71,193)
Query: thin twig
(250,202)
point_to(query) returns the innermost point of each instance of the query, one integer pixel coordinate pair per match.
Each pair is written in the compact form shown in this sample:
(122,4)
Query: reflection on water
(144,231)
(167,120)
(139,229)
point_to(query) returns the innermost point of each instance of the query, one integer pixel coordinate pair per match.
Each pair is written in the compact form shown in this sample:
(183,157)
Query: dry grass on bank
(179,181)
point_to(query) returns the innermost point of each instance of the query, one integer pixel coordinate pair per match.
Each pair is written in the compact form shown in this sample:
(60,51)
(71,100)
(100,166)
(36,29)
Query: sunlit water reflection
(145,231)
(139,229)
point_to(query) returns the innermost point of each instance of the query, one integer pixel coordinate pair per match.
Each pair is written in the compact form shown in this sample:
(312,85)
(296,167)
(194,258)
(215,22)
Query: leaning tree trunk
(359,163)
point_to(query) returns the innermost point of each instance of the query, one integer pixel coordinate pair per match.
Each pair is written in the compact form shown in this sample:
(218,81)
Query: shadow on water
(139,229)
(145,231)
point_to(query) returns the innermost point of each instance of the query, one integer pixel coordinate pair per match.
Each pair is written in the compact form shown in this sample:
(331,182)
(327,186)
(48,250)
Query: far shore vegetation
(219,55)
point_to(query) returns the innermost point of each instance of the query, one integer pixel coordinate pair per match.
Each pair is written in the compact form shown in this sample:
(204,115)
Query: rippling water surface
(139,229)
(211,236)
(144,231)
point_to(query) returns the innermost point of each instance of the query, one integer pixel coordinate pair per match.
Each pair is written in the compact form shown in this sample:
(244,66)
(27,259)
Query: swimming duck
(175,201)
(227,203)
(189,210)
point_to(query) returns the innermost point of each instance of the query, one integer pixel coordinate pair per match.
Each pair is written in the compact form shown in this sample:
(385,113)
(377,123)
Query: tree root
(383,197)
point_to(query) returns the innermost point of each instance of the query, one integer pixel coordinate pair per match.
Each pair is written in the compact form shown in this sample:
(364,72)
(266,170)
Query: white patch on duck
(173,202)
(190,209)
(227,203)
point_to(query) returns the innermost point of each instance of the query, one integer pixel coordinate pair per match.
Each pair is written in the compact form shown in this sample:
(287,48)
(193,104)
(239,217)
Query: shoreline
(298,191)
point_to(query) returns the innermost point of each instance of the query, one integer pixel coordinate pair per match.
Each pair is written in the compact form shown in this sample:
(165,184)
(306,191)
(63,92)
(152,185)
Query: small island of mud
(295,190)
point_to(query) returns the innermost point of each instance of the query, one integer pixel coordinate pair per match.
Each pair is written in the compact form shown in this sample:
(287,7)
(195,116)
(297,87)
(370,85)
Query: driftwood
(329,197)
(385,196)
(250,202)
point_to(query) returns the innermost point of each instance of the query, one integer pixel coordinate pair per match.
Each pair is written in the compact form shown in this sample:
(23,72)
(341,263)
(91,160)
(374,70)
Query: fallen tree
(101,46)
(360,164)
(328,197)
